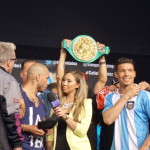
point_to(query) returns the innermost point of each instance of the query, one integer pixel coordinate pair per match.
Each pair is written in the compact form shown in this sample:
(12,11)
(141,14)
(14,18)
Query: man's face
(23,73)
(125,74)
(11,63)
(43,82)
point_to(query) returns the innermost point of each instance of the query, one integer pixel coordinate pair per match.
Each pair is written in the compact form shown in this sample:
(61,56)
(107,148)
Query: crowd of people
(121,109)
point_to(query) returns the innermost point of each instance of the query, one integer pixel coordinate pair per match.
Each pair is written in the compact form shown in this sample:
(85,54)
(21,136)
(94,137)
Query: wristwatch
(104,62)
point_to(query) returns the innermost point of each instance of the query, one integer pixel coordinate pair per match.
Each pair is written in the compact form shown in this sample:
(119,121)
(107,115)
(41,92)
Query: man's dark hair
(52,86)
(26,61)
(124,60)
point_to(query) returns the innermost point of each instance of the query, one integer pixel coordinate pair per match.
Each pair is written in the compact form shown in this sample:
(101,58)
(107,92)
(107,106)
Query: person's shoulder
(4,74)
(144,92)
(9,76)
(88,100)
(6,77)
(143,97)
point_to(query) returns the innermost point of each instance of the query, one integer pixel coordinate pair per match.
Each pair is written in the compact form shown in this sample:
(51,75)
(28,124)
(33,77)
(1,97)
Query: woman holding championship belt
(75,112)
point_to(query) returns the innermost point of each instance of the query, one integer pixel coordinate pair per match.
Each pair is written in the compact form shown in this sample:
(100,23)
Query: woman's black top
(61,141)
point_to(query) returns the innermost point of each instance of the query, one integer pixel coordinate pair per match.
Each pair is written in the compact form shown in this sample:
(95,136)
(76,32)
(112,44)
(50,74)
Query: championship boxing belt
(84,48)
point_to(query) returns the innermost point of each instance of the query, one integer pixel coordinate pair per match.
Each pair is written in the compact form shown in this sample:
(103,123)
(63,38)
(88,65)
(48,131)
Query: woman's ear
(77,86)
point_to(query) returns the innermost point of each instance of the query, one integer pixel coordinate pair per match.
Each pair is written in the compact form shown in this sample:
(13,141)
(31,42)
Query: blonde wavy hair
(80,95)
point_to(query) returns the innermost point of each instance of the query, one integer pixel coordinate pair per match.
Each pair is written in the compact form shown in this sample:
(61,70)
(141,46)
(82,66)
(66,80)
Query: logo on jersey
(130,105)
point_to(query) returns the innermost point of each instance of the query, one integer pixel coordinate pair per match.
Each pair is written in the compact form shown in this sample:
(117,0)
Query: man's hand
(132,91)
(34,130)
(68,42)
(100,46)
(144,85)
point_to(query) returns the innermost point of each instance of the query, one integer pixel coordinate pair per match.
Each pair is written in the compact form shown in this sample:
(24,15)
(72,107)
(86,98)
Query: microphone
(50,122)
(53,99)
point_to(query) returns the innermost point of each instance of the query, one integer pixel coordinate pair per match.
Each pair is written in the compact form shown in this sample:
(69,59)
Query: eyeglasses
(14,59)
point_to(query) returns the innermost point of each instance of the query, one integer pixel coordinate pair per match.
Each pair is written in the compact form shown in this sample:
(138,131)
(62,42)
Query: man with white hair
(9,100)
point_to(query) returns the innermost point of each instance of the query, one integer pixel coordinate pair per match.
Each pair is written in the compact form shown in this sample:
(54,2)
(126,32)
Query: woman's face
(69,83)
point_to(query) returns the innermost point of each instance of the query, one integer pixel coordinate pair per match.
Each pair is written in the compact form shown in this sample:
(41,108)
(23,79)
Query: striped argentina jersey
(132,126)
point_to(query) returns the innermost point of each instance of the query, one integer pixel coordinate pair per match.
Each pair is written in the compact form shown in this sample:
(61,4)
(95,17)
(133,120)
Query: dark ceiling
(37,27)
(122,25)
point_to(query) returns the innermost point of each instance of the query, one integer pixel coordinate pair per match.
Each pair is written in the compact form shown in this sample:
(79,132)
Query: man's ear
(8,63)
(134,74)
(38,77)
